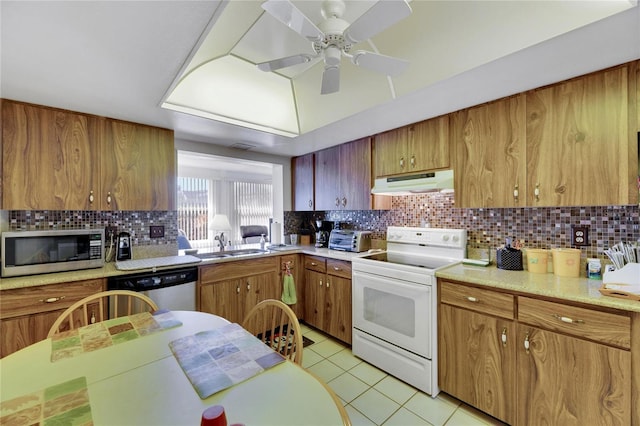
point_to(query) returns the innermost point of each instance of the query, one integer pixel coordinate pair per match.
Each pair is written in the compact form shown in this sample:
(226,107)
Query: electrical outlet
(156,231)
(109,232)
(579,235)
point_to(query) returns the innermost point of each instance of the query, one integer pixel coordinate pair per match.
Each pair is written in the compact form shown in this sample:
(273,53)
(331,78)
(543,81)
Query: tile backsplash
(543,227)
(538,227)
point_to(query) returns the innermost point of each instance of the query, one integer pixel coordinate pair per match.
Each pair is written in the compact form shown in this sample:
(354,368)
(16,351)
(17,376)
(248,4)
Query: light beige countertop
(109,270)
(581,289)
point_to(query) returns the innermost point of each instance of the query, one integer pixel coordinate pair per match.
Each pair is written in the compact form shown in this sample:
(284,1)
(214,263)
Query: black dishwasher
(173,289)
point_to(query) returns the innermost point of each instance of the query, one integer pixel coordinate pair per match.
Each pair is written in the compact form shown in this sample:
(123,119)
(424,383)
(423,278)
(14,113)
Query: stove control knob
(456,238)
(445,238)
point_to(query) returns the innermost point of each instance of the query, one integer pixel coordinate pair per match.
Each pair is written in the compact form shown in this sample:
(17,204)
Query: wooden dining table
(140,382)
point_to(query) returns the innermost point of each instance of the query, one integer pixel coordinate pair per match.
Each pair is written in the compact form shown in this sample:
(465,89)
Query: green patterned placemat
(62,404)
(217,359)
(108,333)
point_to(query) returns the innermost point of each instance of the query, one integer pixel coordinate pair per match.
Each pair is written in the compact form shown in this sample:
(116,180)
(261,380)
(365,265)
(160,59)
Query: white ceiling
(121,58)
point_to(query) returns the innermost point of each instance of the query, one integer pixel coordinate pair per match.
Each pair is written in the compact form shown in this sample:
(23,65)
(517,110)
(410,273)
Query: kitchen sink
(229,253)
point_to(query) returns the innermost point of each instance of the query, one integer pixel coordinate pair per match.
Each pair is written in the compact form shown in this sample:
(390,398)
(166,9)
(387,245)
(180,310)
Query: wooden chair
(274,323)
(102,306)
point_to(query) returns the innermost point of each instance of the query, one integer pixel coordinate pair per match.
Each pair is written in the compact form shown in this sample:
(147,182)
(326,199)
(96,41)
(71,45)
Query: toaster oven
(349,240)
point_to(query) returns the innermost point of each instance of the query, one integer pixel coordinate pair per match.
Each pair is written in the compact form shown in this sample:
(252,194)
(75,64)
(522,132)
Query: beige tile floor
(372,397)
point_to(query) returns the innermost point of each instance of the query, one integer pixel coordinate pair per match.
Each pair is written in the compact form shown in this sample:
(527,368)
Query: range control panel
(432,237)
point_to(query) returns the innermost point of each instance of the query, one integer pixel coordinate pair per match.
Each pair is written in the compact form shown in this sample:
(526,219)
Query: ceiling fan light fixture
(332,55)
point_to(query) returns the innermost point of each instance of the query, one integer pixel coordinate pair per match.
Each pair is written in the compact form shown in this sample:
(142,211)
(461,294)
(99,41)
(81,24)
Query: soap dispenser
(262,241)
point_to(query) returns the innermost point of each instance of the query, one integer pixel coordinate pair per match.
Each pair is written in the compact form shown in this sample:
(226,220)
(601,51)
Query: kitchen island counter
(581,290)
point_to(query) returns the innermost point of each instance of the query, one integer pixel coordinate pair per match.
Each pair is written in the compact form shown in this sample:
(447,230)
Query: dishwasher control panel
(153,280)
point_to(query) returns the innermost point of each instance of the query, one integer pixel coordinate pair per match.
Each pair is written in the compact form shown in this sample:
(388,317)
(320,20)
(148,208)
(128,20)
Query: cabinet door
(390,153)
(338,307)
(302,168)
(139,171)
(428,145)
(20,332)
(355,175)
(50,158)
(314,298)
(569,381)
(327,184)
(474,364)
(256,289)
(578,141)
(489,161)
(223,299)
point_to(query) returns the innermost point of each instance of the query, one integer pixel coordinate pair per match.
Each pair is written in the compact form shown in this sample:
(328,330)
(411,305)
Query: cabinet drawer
(477,299)
(238,269)
(46,298)
(339,268)
(315,263)
(594,325)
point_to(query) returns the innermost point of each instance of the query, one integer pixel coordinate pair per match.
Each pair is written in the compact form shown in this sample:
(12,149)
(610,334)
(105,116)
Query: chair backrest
(100,307)
(276,324)
(252,233)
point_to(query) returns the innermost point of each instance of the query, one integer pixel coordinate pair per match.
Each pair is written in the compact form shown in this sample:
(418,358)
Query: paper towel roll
(276,233)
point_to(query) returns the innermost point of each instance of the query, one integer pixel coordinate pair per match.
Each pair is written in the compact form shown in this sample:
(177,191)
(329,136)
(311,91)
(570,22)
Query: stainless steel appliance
(173,289)
(395,302)
(349,240)
(40,252)
(123,246)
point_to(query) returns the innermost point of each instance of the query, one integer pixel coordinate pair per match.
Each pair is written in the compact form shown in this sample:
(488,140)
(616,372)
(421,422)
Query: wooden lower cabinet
(27,314)
(551,363)
(230,289)
(564,380)
(474,365)
(327,296)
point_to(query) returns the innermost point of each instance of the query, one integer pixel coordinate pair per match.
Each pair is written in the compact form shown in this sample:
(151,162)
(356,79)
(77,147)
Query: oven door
(399,312)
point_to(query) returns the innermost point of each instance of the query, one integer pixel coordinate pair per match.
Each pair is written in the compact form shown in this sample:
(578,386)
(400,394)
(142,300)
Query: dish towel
(289,287)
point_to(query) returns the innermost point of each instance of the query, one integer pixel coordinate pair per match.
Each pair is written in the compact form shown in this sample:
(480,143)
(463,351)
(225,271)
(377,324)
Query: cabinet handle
(52,299)
(568,320)
(248,286)
(91,198)
(526,343)
(320,283)
(413,161)
(314,264)
(238,289)
(109,198)
(536,192)
(503,337)
(472,299)
(344,201)
(335,268)
(516,193)
(337,201)
(93,318)
(310,203)
(327,283)
(402,162)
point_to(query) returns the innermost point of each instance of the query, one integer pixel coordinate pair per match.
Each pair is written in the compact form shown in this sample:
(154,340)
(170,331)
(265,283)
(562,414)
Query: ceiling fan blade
(285,12)
(380,63)
(378,18)
(289,61)
(330,80)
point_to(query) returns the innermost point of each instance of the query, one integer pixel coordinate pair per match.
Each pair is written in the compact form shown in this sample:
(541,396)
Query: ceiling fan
(333,37)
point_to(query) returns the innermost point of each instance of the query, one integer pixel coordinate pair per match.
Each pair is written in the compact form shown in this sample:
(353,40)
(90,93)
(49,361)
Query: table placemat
(216,359)
(110,332)
(62,404)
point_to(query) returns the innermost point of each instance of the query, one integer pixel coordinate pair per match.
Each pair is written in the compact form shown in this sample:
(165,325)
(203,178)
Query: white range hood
(414,184)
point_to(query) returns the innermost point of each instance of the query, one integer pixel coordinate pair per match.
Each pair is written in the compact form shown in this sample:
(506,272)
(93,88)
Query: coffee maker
(123,251)
(323,229)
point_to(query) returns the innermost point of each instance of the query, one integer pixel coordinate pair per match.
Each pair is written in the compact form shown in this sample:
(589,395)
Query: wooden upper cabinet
(489,159)
(414,148)
(139,167)
(50,158)
(343,176)
(54,159)
(302,176)
(579,144)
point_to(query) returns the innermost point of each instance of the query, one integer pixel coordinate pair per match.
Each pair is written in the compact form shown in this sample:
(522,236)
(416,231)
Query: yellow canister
(566,262)
(537,260)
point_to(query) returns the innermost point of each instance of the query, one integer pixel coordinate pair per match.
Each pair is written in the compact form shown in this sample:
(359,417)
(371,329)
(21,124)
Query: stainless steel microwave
(39,252)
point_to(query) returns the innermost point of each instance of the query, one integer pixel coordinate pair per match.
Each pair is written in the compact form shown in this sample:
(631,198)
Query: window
(212,186)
